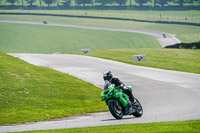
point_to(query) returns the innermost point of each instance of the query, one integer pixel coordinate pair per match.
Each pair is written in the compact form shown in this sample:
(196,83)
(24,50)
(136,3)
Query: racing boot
(130,94)
(131,110)
(127,109)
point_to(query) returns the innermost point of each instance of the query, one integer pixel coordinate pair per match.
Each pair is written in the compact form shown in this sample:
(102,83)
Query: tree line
(84,3)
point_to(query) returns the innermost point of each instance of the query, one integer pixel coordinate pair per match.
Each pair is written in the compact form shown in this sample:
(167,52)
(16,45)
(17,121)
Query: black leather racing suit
(119,84)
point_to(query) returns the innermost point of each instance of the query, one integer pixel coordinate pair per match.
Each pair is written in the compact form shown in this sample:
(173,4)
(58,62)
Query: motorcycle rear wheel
(138,109)
(116,109)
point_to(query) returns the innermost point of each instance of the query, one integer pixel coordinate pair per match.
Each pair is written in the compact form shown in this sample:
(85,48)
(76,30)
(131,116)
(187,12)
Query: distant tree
(77,2)
(141,2)
(49,2)
(104,2)
(192,1)
(180,2)
(111,1)
(30,2)
(93,1)
(84,2)
(121,2)
(11,1)
(22,2)
(161,2)
(67,3)
(40,1)
(189,1)
(58,2)
(130,2)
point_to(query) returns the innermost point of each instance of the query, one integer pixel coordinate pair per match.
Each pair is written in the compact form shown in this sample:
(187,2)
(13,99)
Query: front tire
(138,109)
(116,109)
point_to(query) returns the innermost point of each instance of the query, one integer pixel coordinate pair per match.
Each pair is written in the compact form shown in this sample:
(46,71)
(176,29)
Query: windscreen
(106,85)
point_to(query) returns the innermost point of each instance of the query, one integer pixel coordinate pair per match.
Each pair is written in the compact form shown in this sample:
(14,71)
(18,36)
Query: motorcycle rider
(107,76)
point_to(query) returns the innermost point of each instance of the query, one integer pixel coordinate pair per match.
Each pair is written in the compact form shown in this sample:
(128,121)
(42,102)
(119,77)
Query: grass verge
(171,59)
(163,127)
(183,32)
(27,38)
(32,93)
(191,16)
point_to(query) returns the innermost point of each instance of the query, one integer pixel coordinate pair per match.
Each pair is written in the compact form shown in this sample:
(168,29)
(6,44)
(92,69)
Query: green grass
(192,16)
(31,93)
(171,59)
(184,32)
(24,38)
(163,127)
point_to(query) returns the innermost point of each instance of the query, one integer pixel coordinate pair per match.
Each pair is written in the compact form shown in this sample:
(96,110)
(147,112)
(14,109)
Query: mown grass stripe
(22,38)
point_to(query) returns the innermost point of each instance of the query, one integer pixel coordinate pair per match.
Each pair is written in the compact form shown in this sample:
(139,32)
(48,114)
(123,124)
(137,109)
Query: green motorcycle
(118,102)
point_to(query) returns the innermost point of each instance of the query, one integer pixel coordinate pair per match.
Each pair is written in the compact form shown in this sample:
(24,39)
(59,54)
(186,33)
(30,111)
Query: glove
(123,86)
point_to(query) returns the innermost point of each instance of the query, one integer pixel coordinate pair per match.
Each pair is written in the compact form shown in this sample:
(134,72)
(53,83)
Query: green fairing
(112,93)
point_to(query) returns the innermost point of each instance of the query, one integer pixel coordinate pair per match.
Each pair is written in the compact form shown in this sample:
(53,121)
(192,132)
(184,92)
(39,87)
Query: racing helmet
(107,75)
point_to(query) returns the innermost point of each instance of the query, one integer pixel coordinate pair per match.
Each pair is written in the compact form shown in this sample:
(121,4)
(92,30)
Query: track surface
(164,39)
(165,95)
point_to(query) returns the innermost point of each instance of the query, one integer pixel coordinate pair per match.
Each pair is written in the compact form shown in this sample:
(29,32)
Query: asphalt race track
(164,39)
(165,95)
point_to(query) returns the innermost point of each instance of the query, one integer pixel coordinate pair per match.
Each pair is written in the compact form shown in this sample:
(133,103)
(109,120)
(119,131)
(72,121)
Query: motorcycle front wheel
(116,109)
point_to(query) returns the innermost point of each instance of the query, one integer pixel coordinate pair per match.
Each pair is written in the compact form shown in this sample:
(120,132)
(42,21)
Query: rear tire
(116,109)
(138,109)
